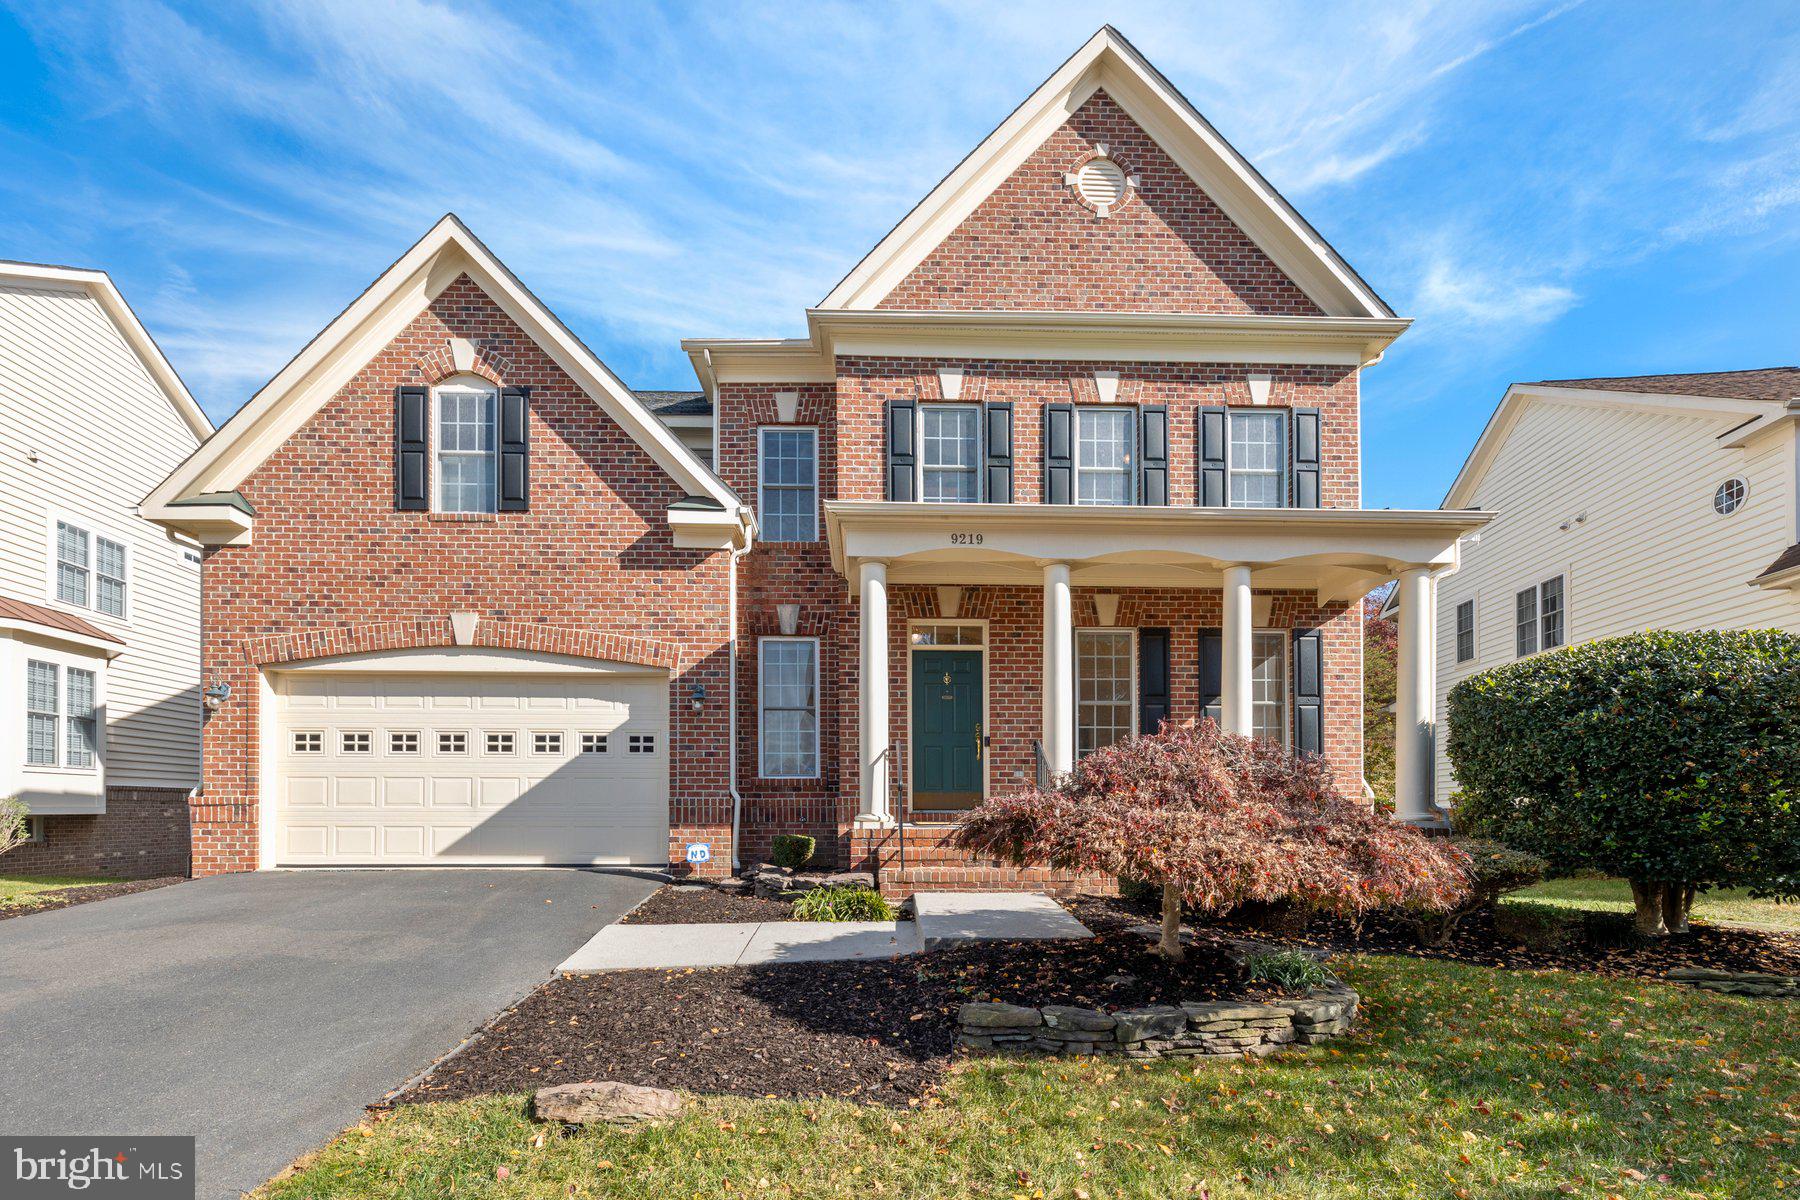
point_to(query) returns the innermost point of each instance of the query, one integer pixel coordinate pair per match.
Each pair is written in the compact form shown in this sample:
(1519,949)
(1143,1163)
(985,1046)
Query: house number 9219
(965,539)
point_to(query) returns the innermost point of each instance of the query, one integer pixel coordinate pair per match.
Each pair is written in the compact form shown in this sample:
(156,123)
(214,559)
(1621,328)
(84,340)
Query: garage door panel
(398,794)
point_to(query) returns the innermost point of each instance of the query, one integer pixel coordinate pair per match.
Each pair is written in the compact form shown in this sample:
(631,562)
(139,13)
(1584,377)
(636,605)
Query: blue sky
(1549,189)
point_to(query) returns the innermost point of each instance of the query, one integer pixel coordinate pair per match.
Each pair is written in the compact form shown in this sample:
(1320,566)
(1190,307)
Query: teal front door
(946,730)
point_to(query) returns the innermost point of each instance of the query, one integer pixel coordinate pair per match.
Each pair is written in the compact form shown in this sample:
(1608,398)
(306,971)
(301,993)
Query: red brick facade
(142,834)
(591,569)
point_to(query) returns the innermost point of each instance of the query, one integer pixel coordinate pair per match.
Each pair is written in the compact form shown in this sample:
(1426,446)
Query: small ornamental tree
(1214,820)
(1670,759)
(15,823)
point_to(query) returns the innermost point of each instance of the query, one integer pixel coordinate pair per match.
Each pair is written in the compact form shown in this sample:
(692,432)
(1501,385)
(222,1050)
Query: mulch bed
(70,897)
(701,905)
(876,1032)
(1725,947)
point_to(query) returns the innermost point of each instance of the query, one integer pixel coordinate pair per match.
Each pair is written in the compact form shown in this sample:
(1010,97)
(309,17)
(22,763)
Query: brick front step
(929,863)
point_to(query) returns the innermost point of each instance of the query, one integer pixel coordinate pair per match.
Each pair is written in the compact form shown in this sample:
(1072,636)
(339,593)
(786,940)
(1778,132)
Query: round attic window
(1730,497)
(1101,183)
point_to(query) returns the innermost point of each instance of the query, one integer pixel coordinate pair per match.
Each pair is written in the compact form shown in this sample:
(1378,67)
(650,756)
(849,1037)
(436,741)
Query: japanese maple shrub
(1670,759)
(1214,820)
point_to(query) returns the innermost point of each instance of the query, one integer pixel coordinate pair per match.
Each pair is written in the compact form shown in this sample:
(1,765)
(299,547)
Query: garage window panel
(546,743)
(356,741)
(593,743)
(500,742)
(453,742)
(403,742)
(643,743)
(309,741)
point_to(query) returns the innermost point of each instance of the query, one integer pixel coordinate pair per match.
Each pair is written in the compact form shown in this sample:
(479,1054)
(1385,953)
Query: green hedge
(1656,756)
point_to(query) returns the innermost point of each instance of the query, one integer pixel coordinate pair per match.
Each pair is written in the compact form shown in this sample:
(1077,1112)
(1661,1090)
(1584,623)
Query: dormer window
(467,447)
(462,447)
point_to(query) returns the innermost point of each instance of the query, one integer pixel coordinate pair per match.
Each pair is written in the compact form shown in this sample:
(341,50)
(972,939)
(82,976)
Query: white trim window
(1256,459)
(1105,688)
(1269,686)
(949,453)
(90,570)
(1465,631)
(1539,617)
(787,477)
(62,716)
(1105,455)
(787,702)
(466,446)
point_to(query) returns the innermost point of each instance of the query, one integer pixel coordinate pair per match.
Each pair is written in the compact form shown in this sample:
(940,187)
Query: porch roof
(1340,553)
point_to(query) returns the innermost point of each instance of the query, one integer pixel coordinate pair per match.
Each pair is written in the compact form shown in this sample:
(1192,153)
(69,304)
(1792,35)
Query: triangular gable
(1110,64)
(189,496)
(100,286)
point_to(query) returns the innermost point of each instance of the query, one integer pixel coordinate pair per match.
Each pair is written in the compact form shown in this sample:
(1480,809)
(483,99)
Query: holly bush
(1671,759)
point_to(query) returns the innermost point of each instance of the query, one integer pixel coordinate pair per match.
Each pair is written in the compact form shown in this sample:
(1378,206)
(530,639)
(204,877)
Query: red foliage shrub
(1224,819)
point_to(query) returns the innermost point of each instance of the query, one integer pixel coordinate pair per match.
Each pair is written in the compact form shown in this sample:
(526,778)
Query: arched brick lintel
(431,633)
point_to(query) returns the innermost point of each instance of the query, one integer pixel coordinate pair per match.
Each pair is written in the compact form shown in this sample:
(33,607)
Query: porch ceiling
(1339,553)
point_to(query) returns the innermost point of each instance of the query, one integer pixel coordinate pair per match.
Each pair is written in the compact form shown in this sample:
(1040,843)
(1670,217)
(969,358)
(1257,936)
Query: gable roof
(196,496)
(1765,383)
(100,286)
(1752,400)
(1107,61)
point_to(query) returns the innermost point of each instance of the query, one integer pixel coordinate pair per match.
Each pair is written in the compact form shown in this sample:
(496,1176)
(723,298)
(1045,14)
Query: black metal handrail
(1043,763)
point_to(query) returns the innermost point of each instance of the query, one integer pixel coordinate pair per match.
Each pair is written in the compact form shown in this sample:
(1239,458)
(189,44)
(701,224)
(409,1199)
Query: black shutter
(1153,679)
(1153,454)
(1309,692)
(1306,457)
(997,480)
(902,478)
(412,449)
(515,449)
(1211,446)
(1212,674)
(1059,454)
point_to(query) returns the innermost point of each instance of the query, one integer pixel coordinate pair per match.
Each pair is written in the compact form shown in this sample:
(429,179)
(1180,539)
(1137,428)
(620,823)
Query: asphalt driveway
(259,1013)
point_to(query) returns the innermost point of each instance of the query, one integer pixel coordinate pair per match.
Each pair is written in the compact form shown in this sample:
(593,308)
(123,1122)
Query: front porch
(996,643)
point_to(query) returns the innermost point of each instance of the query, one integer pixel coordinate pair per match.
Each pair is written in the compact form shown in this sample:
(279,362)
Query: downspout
(731,703)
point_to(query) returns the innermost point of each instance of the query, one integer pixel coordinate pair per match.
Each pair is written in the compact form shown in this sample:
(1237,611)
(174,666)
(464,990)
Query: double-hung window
(61,716)
(1105,457)
(1538,617)
(787,474)
(1269,686)
(467,466)
(950,453)
(1105,687)
(1465,631)
(788,707)
(1256,459)
(90,570)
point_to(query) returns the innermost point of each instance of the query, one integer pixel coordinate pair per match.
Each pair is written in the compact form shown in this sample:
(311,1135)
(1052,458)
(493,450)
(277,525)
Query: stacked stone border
(1213,1028)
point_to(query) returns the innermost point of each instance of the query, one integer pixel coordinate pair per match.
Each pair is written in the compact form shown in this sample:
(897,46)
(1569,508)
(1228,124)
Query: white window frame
(762,486)
(1538,628)
(1456,631)
(463,383)
(95,534)
(1284,470)
(1135,699)
(1285,637)
(919,464)
(1132,466)
(762,663)
(55,713)
(63,715)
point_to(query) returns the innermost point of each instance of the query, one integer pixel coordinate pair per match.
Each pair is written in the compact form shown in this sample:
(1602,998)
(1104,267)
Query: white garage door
(448,770)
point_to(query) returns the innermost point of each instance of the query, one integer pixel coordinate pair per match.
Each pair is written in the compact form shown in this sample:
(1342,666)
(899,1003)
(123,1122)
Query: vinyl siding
(74,394)
(1651,554)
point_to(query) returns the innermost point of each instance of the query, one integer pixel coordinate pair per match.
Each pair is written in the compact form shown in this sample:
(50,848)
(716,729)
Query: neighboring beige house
(1624,504)
(99,609)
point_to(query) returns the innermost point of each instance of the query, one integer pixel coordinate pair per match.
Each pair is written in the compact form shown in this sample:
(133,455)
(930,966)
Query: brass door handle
(978,742)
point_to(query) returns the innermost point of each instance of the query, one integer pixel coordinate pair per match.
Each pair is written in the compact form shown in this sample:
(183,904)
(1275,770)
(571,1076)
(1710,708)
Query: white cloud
(1462,293)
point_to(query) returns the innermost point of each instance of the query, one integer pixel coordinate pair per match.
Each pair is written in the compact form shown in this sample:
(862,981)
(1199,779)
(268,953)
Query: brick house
(1073,451)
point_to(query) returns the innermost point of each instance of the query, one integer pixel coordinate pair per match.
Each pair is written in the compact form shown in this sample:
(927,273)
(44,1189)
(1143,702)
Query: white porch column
(1059,669)
(872,711)
(1234,671)
(1415,705)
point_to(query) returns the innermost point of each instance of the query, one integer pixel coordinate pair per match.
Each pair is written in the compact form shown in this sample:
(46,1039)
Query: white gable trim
(1108,62)
(362,330)
(100,286)
(1519,396)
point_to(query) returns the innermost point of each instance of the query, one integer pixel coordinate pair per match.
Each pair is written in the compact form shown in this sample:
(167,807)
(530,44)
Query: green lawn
(28,891)
(1467,1082)
(1615,895)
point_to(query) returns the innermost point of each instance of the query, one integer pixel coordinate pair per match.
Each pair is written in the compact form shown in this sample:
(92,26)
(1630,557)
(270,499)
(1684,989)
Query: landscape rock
(1066,1016)
(1139,1024)
(849,879)
(606,1103)
(988,1015)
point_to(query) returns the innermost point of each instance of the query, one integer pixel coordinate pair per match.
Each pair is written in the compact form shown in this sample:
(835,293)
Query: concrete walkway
(944,918)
